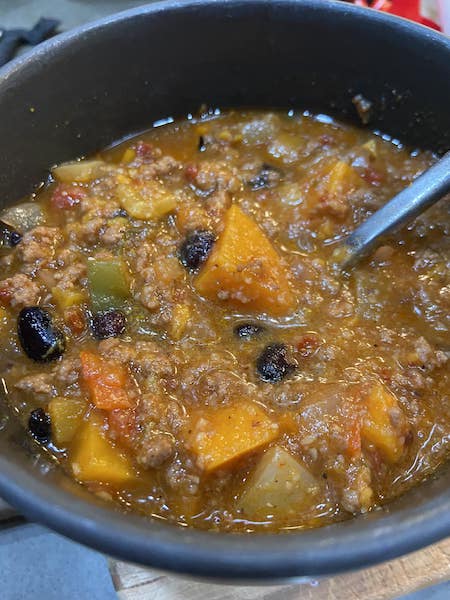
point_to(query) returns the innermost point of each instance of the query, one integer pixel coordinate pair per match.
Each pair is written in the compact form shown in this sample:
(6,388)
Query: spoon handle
(427,189)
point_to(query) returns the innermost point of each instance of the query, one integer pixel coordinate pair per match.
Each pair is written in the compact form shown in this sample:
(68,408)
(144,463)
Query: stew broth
(175,333)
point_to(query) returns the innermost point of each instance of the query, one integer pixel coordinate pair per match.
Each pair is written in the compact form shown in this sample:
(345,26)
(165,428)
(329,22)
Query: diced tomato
(307,345)
(372,176)
(67,196)
(144,149)
(5,296)
(75,320)
(326,140)
(191,172)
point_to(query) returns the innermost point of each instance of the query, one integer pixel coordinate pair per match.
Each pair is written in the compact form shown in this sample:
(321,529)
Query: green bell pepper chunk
(108,284)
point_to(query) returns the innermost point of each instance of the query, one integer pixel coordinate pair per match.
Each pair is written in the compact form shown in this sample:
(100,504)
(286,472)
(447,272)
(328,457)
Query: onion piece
(24,216)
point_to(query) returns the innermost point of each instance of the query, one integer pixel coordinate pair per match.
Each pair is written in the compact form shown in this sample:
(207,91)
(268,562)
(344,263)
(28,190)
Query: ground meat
(40,383)
(209,177)
(333,205)
(357,495)
(180,478)
(214,381)
(342,306)
(427,356)
(410,378)
(72,275)
(114,232)
(217,203)
(155,449)
(87,231)
(92,207)
(159,168)
(191,216)
(102,201)
(19,291)
(37,248)
(144,358)
(159,283)
(67,371)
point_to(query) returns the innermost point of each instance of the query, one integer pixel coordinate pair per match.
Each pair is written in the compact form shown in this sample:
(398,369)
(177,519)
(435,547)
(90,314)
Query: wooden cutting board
(383,582)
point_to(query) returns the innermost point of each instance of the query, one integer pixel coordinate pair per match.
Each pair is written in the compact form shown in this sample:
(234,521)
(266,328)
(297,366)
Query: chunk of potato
(278,485)
(244,270)
(80,171)
(226,434)
(66,416)
(95,458)
(146,203)
(385,425)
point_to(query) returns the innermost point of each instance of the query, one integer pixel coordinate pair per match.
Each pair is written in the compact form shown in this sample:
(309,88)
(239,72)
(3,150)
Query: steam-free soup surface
(174,332)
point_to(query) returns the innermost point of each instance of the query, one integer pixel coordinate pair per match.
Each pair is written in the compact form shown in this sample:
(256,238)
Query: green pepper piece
(108,284)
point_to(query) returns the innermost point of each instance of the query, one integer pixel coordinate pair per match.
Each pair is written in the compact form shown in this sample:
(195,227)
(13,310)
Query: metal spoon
(427,189)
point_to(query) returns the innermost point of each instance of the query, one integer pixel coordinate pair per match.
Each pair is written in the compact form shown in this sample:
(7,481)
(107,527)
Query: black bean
(195,249)
(110,323)
(9,237)
(39,338)
(268,176)
(201,144)
(272,364)
(248,330)
(39,425)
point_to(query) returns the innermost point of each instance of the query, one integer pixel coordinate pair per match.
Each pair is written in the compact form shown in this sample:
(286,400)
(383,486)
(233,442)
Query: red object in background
(409,9)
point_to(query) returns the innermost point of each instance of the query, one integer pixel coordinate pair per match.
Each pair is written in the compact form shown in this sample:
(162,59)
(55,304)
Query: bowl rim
(210,555)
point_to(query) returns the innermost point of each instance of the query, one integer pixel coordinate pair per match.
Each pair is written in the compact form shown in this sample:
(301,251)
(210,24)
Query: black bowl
(85,89)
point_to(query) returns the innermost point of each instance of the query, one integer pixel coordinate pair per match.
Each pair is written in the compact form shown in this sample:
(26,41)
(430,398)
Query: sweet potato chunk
(385,425)
(222,436)
(244,269)
(95,458)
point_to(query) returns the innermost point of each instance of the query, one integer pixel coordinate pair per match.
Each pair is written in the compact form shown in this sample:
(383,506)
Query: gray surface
(33,561)
(24,13)
(37,564)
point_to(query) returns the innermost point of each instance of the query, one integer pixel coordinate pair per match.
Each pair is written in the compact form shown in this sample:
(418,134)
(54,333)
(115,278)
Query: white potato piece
(279,484)
(80,171)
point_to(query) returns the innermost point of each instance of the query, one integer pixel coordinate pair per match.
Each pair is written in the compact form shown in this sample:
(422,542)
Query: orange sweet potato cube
(244,270)
(95,458)
(226,434)
(385,425)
